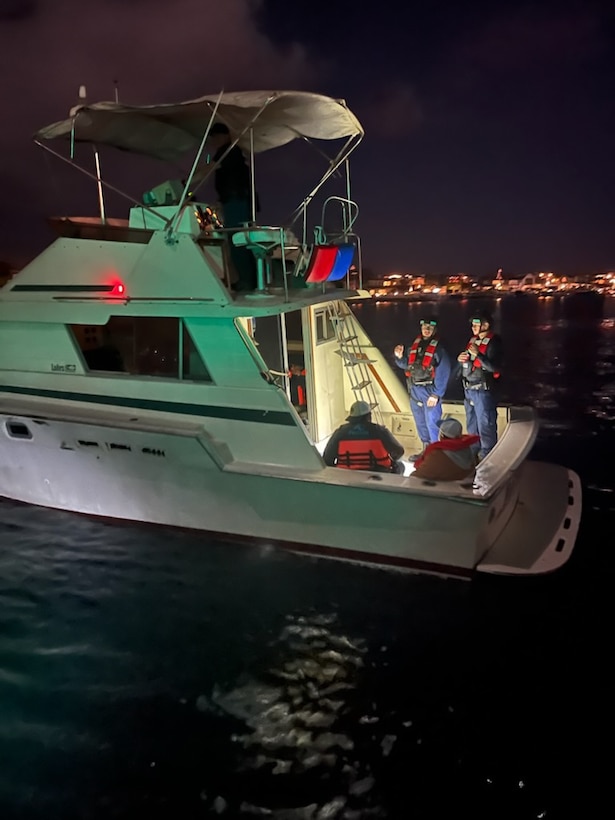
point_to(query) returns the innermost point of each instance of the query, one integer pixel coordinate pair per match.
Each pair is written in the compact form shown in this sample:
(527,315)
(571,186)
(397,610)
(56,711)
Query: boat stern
(541,532)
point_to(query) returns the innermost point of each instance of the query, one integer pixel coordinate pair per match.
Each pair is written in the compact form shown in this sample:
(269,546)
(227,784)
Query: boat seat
(265,243)
(329,262)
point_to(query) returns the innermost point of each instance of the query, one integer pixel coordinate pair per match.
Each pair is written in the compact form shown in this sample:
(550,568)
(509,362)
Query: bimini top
(168,132)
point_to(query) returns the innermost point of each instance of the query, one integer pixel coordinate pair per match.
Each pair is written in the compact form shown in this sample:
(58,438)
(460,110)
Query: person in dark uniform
(427,367)
(481,363)
(232,185)
(360,444)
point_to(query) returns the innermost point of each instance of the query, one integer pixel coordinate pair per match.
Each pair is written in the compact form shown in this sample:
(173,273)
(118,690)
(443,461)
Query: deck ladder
(356,361)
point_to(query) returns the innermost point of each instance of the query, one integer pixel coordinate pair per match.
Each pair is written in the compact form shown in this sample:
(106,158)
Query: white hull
(168,472)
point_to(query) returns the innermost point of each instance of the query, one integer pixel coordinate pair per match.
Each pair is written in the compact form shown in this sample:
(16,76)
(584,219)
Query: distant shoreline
(436,297)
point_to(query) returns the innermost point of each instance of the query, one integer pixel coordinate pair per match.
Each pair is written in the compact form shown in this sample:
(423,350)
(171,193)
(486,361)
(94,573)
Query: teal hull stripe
(63,288)
(208,410)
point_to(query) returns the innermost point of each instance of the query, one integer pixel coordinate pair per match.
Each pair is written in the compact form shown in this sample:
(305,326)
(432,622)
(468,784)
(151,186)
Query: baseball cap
(451,428)
(429,320)
(482,316)
(358,409)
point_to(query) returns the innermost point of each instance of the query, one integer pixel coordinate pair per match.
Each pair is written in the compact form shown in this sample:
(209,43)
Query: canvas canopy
(168,132)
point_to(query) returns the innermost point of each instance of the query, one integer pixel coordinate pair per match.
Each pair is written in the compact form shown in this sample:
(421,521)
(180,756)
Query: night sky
(489,126)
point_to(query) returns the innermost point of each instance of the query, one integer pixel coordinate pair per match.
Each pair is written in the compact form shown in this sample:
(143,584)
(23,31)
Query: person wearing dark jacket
(451,458)
(427,367)
(481,363)
(363,445)
(233,189)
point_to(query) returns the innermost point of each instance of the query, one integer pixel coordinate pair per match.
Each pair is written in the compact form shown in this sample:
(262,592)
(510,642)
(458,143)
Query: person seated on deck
(363,445)
(451,458)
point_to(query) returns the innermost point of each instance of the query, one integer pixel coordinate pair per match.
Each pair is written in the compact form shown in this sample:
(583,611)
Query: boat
(137,385)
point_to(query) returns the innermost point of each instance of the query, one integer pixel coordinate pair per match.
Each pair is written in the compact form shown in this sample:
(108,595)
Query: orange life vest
(363,454)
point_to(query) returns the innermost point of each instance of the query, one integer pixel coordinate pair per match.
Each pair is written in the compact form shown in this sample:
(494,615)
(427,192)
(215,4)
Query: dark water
(148,674)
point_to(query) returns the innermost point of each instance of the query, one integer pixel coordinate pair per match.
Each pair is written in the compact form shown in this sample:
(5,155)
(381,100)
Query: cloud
(156,50)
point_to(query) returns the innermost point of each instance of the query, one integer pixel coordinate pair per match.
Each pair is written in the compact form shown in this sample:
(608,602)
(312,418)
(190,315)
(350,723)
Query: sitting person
(451,458)
(363,445)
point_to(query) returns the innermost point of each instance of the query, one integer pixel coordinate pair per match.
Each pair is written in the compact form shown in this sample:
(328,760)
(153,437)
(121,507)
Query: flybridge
(308,251)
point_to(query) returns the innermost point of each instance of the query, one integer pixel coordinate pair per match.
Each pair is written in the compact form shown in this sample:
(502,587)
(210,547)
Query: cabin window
(268,333)
(142,346)
(193,366)
(324,327)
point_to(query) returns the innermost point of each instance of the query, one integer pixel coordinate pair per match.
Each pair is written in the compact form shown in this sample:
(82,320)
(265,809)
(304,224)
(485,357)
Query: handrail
(345,212)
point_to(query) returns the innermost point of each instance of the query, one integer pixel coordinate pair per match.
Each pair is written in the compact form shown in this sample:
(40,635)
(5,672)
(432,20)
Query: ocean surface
(148,674)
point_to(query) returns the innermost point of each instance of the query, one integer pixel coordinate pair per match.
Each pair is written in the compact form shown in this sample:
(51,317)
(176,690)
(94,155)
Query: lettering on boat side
(63,368)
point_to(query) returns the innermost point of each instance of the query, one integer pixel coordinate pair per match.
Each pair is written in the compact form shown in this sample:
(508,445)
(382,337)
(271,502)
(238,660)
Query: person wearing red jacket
(451,458)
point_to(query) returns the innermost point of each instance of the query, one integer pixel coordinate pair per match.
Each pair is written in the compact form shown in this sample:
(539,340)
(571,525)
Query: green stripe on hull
(63,288)
(208,410)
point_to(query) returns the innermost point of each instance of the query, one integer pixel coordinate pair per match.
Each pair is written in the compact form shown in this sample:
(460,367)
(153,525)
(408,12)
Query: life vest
(450,444)
(363,454)
(422,372)
(297,388)
(482,345)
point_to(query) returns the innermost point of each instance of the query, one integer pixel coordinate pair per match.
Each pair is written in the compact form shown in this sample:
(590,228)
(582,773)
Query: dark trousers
(236,212)
(481,418)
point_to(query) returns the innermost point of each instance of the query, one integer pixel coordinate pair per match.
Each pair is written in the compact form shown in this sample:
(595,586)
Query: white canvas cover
(168,132)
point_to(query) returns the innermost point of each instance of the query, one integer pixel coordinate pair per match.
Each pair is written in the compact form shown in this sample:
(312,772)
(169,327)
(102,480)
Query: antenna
(116,89)
(83,97)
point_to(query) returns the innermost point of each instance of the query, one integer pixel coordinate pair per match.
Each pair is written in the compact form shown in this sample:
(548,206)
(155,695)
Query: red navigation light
(118,289)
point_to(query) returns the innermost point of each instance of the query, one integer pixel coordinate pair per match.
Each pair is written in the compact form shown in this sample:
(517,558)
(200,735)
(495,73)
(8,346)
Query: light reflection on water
(145,672)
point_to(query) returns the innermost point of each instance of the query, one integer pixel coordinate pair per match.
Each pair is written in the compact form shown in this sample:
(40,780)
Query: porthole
(16,429)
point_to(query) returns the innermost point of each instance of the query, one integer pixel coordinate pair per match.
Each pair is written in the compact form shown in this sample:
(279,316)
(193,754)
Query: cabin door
(280,342)
(329,403)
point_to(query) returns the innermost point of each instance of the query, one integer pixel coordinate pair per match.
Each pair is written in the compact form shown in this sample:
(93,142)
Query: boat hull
(169,472)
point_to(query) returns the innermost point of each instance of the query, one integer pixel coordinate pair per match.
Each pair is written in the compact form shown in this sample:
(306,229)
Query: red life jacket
(482,349)
(427,361)
(459,443)
(363,454)
(297,388)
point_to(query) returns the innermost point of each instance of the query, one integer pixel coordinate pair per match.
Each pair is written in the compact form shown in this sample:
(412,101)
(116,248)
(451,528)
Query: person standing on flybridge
(232,184)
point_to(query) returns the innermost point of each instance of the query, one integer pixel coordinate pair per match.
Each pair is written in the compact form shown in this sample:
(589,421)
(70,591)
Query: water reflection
(293,728)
